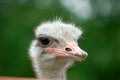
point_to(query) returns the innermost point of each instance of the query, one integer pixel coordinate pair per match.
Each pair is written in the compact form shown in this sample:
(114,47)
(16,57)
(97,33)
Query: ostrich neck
(52,70)
(52,74)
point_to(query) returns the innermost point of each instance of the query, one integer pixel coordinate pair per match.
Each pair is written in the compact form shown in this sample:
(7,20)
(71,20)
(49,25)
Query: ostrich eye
(44,41)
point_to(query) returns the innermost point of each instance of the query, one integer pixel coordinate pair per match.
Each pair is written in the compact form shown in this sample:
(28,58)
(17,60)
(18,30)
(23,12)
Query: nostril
(68,49)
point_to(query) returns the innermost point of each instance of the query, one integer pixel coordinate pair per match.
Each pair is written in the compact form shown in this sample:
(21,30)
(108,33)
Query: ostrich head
(55,48)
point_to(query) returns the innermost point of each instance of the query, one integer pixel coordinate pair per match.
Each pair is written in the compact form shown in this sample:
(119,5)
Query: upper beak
(75,51)
(70,50)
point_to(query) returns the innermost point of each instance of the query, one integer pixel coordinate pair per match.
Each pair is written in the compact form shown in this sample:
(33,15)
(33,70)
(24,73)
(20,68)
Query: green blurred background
(100,20)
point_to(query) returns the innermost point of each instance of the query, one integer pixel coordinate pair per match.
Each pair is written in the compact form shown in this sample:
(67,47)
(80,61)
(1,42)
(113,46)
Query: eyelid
(41,35)
(40,43)
(49,37)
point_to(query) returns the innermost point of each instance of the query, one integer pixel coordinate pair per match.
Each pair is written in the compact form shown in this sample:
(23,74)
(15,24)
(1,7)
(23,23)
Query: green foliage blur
(101,38)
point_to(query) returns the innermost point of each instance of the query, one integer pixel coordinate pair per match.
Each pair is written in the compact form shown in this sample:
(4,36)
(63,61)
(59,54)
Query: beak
(75,51)
(71,50)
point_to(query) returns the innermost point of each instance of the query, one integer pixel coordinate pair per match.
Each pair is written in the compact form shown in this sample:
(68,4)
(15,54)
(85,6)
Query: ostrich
(54,49)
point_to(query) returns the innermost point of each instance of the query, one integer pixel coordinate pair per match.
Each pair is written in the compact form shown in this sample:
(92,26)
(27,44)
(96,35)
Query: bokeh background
(100,20)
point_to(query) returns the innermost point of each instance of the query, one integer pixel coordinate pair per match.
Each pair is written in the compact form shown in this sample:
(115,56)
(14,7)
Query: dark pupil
(44,40)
